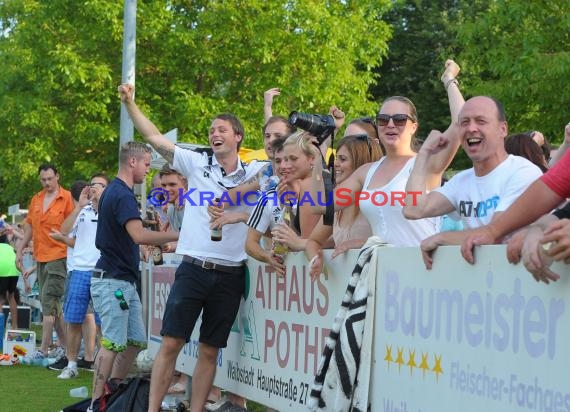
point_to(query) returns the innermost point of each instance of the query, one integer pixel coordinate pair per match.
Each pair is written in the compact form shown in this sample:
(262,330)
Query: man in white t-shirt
(476,195)
(81,224)
(211,278)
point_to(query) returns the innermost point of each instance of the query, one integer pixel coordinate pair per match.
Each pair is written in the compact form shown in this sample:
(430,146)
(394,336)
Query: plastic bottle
(216,232)
(81,392)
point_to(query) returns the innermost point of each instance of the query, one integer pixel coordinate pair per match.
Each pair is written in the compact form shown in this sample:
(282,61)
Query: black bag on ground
(121,395)
(129,395)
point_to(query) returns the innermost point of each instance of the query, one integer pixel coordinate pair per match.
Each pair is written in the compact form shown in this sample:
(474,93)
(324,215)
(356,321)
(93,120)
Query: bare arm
(268,102)
(454,96)
(420,202)
(22,243)
(63,238)
(563,147)
(141,236)
(525,210)
(67,225)
(146,128)
(253,248)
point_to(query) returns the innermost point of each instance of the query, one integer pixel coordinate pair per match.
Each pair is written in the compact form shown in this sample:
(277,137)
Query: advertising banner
(279,333)
(484,337)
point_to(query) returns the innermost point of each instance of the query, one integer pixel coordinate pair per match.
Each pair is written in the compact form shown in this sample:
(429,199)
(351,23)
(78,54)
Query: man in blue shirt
(115,298)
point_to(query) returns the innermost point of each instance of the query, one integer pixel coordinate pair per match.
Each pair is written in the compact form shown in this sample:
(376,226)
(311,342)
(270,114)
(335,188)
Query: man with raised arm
(211,278)
(474,196)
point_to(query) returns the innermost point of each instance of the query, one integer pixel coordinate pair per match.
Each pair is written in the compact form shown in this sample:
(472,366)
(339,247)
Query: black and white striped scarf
(343,376)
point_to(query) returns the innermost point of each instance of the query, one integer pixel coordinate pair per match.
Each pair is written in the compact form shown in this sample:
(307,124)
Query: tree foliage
(62,63)
(519,52)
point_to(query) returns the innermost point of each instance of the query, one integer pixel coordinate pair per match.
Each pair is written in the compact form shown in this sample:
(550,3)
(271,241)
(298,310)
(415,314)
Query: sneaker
(59,365)
(68,373)
(83,364)
(56,353)
(37,355)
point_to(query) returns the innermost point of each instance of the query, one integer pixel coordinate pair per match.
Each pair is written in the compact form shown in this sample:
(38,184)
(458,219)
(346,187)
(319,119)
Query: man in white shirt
(211,278)
(478,194)
(82,224)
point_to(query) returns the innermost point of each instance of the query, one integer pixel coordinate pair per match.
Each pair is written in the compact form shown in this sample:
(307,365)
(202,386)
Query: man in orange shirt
(47,211)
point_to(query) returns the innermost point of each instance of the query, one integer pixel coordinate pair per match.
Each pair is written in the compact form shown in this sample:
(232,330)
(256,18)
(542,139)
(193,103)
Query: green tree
(62,63)
(519,52)
(422,40)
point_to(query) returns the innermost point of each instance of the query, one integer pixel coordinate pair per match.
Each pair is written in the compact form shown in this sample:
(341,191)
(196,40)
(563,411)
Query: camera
(319,125)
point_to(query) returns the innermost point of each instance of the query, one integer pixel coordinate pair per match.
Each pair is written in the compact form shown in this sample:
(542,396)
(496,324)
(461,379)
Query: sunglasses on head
(399,119)
(121,298)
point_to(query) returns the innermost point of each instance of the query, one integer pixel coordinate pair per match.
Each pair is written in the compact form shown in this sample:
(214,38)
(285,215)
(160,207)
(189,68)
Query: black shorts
(8,284)
(217,294)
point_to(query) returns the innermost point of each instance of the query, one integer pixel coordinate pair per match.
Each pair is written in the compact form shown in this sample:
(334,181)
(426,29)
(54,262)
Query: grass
(35,388)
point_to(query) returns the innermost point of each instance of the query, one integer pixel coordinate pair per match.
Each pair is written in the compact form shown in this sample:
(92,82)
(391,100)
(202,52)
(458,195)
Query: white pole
(128,69)
(127,129)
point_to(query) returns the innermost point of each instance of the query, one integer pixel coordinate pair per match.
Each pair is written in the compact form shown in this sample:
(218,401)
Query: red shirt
(558,178)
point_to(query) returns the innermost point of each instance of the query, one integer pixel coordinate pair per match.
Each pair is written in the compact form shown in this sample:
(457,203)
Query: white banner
(277,339)
(470,337)
(482,337)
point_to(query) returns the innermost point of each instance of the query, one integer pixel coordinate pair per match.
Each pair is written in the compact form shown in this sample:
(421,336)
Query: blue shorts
(78,296)
(119,327)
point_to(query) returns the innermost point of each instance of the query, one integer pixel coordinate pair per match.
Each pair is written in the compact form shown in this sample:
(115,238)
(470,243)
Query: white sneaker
(68,373)
(56,353)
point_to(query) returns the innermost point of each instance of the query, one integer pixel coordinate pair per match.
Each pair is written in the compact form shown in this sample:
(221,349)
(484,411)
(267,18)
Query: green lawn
(35,388)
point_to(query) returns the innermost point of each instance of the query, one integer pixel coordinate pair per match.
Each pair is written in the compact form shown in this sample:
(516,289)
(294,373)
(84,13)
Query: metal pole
(128,69)
(127,129)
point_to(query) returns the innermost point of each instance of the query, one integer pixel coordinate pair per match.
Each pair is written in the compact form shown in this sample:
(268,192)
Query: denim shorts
(119,327)
(78,296)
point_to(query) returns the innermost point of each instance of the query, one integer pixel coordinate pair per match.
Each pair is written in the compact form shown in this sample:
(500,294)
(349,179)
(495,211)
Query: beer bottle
(216,232)
(280,249)
(157,256)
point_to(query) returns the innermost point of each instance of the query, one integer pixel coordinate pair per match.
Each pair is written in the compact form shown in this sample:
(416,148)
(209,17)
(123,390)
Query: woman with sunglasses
(379,187)
(350,229)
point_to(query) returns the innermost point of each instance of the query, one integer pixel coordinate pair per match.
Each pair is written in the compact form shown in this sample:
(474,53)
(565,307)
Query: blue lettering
(324,202)
(306,198)
(225,198)
(288,198)
(246,197)
(185,196)
(391,302)
(473,318)
(206,197)
(501,342)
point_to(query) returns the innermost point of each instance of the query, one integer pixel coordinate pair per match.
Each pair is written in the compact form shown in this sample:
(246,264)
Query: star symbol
(400,358)
(412,360)
(437,367)
(388,358)
(424,364)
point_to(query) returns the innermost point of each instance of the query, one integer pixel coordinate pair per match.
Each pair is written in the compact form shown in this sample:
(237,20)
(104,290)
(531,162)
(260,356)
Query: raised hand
(451,71)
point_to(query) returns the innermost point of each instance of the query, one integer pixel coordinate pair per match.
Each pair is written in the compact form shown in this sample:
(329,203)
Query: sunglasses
(121,298)
(398,119)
